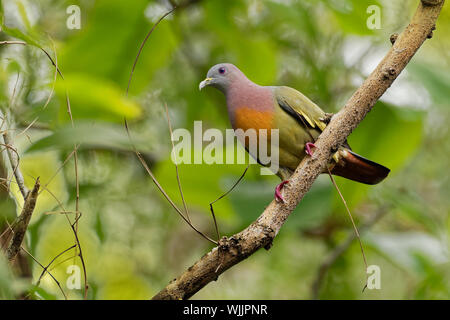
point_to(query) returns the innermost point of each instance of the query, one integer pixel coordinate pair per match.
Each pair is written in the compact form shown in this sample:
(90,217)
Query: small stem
(14,161)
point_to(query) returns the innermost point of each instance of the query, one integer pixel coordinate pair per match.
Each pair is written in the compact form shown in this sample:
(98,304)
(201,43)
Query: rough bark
(20,225)
(260,233)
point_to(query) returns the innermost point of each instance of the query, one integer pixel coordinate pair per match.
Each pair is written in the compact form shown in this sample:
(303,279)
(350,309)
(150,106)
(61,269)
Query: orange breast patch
(249,118)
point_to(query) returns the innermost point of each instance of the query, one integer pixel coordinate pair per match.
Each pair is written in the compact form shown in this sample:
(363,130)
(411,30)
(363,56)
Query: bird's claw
(308,147)
(278,196)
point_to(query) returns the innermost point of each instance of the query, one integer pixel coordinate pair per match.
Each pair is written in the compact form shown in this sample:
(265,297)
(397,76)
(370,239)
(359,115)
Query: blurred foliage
(133,243)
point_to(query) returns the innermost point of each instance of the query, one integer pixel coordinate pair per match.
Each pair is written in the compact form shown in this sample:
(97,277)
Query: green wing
(300,107)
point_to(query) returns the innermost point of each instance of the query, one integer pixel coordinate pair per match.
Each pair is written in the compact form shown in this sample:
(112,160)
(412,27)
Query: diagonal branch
(261,232)
(20,225)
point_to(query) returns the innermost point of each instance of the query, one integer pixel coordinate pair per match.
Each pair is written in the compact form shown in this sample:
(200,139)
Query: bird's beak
(204,83)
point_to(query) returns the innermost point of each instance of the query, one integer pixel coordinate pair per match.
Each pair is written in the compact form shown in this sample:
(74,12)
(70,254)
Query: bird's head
(221,76)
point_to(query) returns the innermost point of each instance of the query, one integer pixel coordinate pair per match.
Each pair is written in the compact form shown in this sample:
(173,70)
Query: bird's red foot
(278,195)
(308,147)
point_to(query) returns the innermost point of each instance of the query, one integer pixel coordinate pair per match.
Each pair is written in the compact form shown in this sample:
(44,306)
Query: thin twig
(13,156)
(143,44)
(161,189)
(42,49)
(214,216)
(14,161)
(176,165)
(45,269)
(13,95)
(60,168)
(56,281)
(222,196)
(351,219)
(54,77)
(339,251)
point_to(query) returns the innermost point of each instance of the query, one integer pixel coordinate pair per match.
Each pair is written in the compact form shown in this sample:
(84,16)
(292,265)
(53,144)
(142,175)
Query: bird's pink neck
(244,93)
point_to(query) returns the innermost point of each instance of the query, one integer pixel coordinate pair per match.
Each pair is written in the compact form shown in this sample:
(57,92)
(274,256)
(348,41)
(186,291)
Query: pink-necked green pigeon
(299,120)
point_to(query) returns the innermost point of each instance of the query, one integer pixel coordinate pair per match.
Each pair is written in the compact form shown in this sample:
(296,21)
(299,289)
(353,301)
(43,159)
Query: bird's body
(299,121)
(260,110)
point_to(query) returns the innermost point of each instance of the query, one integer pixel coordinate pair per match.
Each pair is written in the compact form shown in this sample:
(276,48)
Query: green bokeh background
(132,240)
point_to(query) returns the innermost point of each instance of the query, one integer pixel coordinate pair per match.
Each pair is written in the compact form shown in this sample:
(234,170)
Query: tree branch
(261,232)
(20,225)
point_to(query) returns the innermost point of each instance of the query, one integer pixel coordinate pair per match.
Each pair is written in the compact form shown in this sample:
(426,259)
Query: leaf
(41,293)
(17,33)
(23,14)
(95,98)
(101,135)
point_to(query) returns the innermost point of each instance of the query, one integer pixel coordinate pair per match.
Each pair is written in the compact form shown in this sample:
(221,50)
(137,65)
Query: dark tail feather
(354,167)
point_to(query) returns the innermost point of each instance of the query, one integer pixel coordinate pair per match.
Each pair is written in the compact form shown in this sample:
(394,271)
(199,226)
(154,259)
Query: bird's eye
(221,70)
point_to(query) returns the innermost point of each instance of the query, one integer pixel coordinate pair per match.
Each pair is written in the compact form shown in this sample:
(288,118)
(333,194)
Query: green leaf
(41,293)
(23,14)
(17,33)
(101,135)
(95,98)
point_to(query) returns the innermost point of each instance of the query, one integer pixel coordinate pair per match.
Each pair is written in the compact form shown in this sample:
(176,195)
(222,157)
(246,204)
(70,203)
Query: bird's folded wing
(300,107)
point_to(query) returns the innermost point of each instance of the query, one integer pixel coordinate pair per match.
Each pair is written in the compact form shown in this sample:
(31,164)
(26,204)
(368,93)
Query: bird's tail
(357,168)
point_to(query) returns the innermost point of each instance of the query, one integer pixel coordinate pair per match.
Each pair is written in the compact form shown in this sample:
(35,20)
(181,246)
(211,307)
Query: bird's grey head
(220,76)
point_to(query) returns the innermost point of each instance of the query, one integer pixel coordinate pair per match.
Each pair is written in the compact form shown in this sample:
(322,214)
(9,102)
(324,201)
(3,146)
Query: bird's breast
(250,107)
(256,124)
(246,118)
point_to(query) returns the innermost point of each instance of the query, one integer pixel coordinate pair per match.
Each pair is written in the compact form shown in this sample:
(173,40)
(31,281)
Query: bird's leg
(308,147)
(278,195)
